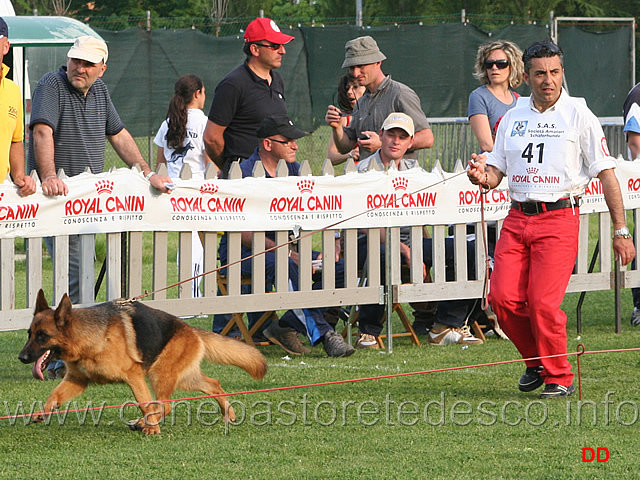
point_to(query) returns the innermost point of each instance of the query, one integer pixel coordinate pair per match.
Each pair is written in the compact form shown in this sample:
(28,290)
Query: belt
(534,208)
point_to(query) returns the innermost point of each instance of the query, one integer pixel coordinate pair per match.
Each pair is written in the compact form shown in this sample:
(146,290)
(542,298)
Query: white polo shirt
(552,154)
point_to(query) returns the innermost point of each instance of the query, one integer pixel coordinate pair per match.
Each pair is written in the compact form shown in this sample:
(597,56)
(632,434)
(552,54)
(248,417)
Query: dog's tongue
(39,366)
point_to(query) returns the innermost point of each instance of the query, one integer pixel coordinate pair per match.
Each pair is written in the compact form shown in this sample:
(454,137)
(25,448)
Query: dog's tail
(228,351)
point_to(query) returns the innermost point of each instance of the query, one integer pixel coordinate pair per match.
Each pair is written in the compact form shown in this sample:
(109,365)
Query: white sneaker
(443,335)
(367,341)
(635,317)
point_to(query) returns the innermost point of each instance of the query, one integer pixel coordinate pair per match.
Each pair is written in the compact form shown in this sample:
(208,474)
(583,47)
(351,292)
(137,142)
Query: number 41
(527,153)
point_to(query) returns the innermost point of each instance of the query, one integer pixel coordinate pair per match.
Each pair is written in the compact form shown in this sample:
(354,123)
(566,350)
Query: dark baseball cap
(4,29)
(279,125)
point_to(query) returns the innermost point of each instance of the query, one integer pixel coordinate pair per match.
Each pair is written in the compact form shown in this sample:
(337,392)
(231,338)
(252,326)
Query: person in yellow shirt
(11,125)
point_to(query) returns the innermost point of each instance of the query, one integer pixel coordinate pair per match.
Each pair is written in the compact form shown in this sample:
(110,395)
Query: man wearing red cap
(247,95)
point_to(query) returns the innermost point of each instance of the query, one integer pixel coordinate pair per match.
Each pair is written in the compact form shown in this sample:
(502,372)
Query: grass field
(470,423)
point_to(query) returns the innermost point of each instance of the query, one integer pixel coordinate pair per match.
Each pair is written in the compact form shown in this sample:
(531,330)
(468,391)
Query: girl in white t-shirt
(180,142)
(179,138)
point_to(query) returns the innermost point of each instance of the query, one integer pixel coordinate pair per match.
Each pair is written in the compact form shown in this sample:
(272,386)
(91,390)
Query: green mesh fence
(433,55)
(231,26)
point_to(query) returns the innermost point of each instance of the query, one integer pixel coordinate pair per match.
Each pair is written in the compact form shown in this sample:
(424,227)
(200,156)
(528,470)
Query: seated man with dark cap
(277,140)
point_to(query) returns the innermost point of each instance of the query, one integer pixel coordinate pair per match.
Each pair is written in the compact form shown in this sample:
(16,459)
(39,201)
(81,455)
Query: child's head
(187,86)
(188,93)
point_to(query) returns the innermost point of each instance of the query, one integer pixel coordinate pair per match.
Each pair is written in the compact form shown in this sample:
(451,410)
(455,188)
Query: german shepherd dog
(122,341)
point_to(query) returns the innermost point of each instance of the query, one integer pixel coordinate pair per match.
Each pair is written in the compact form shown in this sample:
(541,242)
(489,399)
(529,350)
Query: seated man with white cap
(451,319)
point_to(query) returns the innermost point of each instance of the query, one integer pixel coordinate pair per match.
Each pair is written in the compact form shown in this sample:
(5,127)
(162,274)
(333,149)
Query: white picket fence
(13,317)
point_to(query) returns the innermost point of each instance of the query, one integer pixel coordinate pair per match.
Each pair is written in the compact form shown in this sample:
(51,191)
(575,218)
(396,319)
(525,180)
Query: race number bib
(538,152)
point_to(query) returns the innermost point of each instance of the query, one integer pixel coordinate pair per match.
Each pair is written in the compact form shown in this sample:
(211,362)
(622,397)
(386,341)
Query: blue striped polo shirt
(80,123)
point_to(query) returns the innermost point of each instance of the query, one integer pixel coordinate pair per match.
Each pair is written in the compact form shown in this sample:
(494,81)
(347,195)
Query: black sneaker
(335,346)
(553,390)
(421,328)
(531,379)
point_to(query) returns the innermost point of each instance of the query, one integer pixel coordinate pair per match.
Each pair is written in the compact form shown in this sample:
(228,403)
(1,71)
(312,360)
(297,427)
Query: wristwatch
(622,232)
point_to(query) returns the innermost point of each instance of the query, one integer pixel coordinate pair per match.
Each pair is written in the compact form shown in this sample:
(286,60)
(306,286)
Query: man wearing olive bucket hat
(383,96)
(364,59)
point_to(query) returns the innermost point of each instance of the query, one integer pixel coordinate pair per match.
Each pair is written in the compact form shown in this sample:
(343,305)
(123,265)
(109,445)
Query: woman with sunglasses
(349,91)
(499,68)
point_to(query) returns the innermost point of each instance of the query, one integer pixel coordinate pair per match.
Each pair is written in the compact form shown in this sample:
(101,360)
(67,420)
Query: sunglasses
(287,143)
(542,49)
(501,64)
(272,46)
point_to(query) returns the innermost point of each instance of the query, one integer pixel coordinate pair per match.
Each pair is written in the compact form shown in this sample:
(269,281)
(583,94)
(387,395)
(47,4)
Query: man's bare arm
(127,149)
(623,247)
(44,153)
(25,183)
(214,142)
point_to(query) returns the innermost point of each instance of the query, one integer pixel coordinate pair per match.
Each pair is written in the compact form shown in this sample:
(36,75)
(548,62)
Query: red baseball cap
(265,29)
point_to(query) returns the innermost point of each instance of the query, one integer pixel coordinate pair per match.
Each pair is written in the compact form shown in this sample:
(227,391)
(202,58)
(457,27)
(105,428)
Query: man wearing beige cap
(71,116)
(450,327)
(364,59)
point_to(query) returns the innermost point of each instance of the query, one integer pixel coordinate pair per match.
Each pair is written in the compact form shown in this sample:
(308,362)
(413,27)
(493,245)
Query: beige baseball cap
(89,48)
(399,120)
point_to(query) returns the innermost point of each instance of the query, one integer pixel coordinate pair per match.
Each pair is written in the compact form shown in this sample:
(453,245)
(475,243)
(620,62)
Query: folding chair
(237,318)
(397,308)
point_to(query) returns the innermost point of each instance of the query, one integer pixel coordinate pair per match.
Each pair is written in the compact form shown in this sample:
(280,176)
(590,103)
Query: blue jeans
(74,279)
(452,313)
(74,266)
(314,325)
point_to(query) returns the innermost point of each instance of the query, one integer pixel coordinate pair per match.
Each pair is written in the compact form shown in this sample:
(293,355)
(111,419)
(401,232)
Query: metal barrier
(454,140)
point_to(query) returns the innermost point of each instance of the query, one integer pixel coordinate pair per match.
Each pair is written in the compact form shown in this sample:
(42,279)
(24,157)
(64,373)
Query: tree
(61,7)
(300,10)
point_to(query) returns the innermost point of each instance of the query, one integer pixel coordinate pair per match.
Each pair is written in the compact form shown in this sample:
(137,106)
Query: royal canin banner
(123,200)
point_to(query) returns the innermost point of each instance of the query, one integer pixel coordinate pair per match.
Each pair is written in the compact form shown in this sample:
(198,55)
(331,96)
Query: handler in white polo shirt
(549,146)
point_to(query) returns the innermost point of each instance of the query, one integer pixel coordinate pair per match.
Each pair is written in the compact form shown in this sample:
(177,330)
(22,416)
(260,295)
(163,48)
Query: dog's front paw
(230,414)
(139,426)
(37,417)
(151,430)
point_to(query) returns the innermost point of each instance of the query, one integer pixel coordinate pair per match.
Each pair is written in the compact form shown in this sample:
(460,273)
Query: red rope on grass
(581,351)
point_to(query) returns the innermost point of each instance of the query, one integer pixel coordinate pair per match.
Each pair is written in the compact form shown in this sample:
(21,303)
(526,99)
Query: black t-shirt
(241,101)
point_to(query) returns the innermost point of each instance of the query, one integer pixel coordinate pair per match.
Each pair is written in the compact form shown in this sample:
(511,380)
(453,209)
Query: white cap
(89,48)
(399,120)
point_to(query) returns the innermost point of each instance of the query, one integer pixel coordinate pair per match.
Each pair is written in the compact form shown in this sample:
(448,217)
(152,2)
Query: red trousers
(534,259)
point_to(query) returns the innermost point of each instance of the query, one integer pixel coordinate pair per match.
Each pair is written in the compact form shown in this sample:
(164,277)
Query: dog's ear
(63,312)
(41,302)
